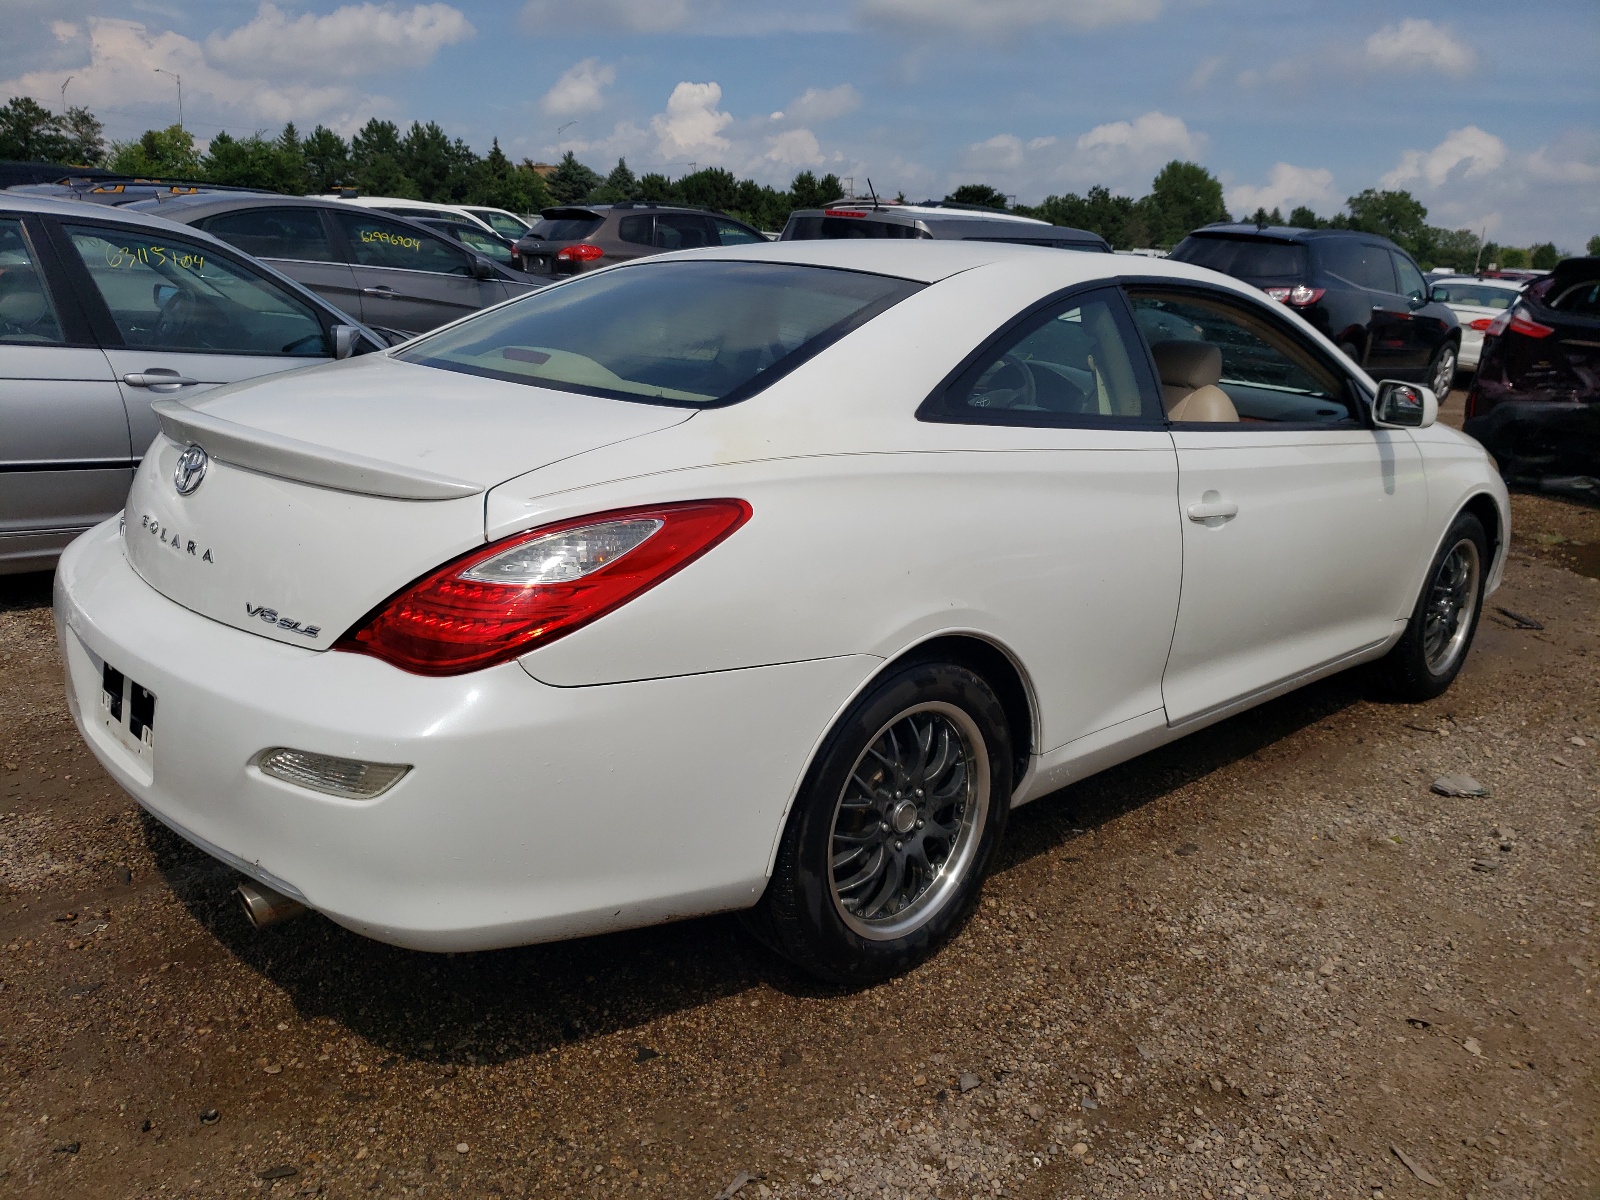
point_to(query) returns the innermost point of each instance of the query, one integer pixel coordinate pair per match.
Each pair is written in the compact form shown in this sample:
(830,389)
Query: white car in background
(1476,303)
(763,577)
(495,220)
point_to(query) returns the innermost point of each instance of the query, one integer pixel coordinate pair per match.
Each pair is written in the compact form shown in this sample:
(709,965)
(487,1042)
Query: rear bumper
(1536,436)
(531,812)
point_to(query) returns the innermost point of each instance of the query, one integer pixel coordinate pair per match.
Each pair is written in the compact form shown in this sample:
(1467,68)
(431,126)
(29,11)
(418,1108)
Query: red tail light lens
(580,252)
(1517,320)
(501,601)
(1481,324)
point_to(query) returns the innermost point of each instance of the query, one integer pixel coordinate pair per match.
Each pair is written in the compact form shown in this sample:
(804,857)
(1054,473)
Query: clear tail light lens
(501,601)
(1281,295)
(580,252)
(349,778)
(1301,295)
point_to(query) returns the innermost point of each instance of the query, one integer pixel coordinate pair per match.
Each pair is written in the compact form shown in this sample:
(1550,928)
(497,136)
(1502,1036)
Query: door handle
(379,291)
(158,380)
(1210,510)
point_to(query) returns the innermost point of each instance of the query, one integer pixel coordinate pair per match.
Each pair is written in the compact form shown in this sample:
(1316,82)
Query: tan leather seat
(1190,372)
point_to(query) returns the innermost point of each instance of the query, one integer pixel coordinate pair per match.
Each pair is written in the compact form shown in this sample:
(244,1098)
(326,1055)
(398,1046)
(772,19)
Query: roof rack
(988,208)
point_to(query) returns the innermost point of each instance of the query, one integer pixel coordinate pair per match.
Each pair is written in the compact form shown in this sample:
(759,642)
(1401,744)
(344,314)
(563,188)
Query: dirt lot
(1265,961)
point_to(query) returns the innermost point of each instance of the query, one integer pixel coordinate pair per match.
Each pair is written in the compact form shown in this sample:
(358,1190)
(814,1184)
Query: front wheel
(894,828)
(1428,656)
(1443,372)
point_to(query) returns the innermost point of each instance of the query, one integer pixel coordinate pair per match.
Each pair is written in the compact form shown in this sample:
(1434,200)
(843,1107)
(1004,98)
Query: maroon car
(1535,402)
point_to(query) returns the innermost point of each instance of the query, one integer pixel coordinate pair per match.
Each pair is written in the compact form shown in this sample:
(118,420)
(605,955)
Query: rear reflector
(581,252)
(501,601)
(347,777)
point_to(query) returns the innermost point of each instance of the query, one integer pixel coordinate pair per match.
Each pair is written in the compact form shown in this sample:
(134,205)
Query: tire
(1429,655)
(894,829)
(1351,351)
(1442,371)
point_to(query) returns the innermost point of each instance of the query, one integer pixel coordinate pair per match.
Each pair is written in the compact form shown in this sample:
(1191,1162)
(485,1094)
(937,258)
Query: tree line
(424,163)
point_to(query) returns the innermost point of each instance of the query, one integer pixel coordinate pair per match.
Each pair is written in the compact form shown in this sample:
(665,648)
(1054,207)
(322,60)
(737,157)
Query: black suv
(934,219)
(576,237)
(1362,291)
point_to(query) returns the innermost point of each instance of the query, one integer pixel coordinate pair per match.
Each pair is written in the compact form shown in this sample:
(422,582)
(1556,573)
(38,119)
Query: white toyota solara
(763,578)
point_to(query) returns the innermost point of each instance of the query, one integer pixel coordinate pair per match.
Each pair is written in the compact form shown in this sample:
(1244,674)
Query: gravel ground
(1264,961)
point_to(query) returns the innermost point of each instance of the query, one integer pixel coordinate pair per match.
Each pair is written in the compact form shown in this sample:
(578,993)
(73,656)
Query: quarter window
(294,233)
(375,242)
(26,314)
(731,233)
(169,294)
(1067,365)
(1359,263)
(1411,282)
(638,229)
(1204,346)
(683,231)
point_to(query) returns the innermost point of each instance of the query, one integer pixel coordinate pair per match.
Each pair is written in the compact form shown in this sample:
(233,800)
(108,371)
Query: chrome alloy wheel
(1451,605)
(1444,373)
(908,821)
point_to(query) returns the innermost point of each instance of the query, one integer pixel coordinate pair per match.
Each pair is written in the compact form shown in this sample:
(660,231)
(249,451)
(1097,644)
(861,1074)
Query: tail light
(508,598)
(580,252)
(1481,323)
(1299,295)
(1517,320)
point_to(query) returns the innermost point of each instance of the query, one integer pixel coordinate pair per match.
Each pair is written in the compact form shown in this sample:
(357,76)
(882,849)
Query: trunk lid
(326,490)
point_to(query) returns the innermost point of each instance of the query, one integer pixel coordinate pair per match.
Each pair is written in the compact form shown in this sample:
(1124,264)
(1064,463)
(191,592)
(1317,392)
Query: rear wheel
(1442,374)
(1429,655)
(1351,351)
(894,828)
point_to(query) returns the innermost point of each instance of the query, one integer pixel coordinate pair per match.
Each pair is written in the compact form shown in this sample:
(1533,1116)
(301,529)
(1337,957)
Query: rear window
(684,333)
(502,223)
(564,229)
(811,229)
(1253,259)
(1581,300)
(1475,294)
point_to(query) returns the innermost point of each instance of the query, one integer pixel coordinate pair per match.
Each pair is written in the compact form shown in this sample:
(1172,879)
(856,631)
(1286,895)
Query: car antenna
(876,207)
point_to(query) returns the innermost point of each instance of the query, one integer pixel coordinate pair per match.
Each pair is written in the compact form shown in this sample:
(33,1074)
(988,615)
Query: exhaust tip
(266,907)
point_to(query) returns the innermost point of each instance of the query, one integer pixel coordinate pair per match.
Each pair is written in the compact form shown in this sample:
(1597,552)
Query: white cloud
(1468,150)
(822,104)
(1003,152)
(1417,43)
(65,31)
(1286,187)
(1001,18)
(357,39)
(1121,155)
(580,90)
(549,17)
(692,126)
(795,148)
(1154,132)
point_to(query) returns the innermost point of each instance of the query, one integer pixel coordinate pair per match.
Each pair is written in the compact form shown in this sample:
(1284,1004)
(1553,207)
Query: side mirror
(1442,295)
(1404,406)
(481,269)
(162,292)
(344,340)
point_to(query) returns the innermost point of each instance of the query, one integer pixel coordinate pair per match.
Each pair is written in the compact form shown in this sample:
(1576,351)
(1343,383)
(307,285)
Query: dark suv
(933,219)
(576,237)
(1362,291)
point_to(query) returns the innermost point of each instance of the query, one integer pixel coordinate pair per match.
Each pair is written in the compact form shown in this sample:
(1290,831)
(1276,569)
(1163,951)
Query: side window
(170,294)
(1220,362)
(683,231)
(731,233)
(376,242)
(27,316)
(1067,365)
(477,240)
(1359,263)
(638,229)
(296,233)
(1411,281)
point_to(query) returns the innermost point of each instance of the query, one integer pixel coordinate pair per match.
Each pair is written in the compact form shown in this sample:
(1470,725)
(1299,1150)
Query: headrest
(1188,364)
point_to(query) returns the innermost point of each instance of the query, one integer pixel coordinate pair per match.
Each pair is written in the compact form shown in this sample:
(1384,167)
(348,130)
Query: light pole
(179,78)
(69,79)
(561,128)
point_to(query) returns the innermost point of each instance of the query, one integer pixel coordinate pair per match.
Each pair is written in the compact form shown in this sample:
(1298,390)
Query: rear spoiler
(289,458)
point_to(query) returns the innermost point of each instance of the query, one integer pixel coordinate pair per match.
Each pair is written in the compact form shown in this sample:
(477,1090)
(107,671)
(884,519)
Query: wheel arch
(1483,506)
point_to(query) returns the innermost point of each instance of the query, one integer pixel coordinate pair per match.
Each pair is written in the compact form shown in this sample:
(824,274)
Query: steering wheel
(1008,383)
(175,316)
(316,338)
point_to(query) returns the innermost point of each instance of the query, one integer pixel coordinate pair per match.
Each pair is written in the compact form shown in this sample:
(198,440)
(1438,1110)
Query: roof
(928,260)
(1280,233)
(223,201)
(126,214)
(932,211)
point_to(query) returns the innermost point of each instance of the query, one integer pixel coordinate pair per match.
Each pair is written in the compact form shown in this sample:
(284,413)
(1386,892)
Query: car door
(684,231)
(410,278)
(296,241)
(176,316)
(1425,331)
(64,451)
(1392,340)
(1303,525)
(1056,424)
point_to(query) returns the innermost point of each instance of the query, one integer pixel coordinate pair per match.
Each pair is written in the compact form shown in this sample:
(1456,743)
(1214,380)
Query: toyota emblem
(191,469)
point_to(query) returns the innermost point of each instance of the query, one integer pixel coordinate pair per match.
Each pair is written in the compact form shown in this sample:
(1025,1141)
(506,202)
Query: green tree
(327,158)
(168,153)
(276,165)
(1511,256)
(1545,256)
(1183,196)
(658,187)
(807,191)
(571,181)
(1594,245)
(375,165)
(496,182)
(30,132)
(440,167)
(1455,248)
(1115,218)
(1398,216)
(1262,217)
(980,194)
(618,186)
(1302,217)
(711,187)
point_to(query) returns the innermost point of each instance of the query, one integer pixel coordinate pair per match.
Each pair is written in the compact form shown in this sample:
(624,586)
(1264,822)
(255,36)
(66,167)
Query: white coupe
(765,578)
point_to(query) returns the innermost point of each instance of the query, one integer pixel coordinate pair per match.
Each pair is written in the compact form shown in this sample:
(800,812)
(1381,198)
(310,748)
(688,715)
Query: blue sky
(1490,114)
